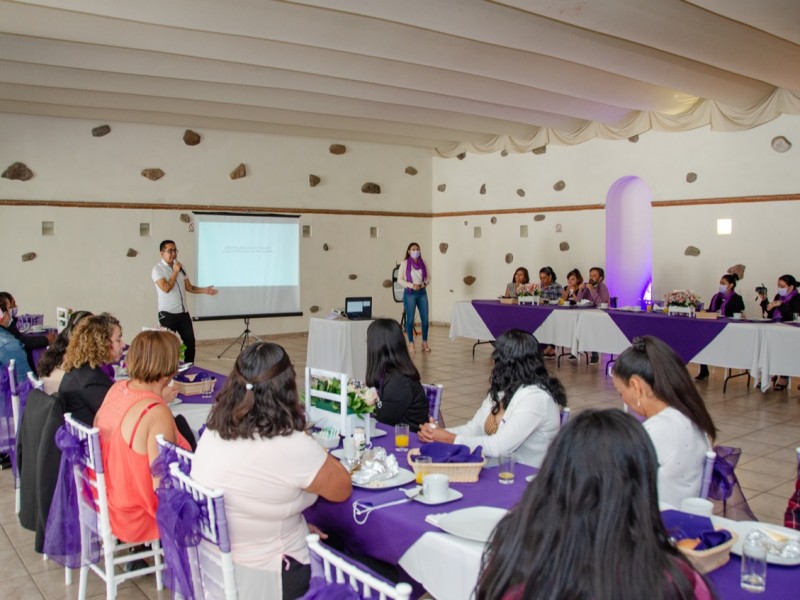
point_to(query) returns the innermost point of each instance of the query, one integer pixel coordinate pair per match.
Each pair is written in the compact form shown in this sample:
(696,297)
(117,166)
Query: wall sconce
(724,226)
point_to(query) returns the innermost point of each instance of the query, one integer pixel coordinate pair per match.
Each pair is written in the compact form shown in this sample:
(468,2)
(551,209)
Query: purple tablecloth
(782,582)
(389,532)
(500,317)
(198,398)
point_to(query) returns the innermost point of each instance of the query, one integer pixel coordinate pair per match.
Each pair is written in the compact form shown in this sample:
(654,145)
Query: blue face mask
(723,288)
(414,254)
(782,292)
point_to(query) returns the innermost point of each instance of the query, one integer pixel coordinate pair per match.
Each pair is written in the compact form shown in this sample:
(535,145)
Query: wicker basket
(709,560)
(193,388)
(706,315)
(507,300)
(457,472)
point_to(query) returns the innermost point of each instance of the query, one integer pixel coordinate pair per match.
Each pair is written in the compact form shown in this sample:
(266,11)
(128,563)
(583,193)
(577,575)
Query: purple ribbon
(320,589)
(419,265)
(62,536)
(179,519)
(160,466)
(723,477)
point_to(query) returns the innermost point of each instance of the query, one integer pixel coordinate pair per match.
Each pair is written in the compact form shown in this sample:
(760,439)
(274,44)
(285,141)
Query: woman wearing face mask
(782,308)
(415,277)
(727,302)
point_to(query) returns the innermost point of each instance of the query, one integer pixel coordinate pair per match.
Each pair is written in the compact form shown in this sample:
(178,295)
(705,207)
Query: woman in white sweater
(653,382)
(521,412)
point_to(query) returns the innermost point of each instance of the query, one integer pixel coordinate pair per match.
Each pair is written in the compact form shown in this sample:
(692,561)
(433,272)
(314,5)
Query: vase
(683,311)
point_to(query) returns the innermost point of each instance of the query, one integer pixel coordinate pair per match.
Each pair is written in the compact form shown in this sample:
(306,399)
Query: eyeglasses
(171,251)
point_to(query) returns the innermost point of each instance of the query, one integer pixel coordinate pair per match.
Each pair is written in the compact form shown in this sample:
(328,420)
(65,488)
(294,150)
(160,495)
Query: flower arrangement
(528,289)
(684,298)
(361,399)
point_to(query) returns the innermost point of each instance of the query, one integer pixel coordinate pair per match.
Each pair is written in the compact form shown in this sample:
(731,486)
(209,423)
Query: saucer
(452,495)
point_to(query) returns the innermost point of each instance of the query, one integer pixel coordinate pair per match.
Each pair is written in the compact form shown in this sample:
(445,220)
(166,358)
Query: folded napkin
(193,377)
(362,508)
(451,453)
(682,525)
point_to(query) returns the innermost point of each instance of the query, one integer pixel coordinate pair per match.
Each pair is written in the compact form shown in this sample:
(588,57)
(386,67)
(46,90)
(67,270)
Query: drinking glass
(208,386)
(754,567)
(508,462)
(401,432)
(423,463)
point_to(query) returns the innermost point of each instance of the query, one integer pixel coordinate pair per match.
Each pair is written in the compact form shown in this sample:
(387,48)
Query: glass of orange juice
(401,432)
(422,465)
(508,462)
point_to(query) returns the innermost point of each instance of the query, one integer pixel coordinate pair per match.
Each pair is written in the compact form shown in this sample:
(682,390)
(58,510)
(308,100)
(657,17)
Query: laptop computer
(358,309)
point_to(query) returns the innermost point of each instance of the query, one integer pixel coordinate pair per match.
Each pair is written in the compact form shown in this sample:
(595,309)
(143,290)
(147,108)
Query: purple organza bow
(322,590)
(723,478)
(451,453)
(179,520)
(62,537)
(160,466)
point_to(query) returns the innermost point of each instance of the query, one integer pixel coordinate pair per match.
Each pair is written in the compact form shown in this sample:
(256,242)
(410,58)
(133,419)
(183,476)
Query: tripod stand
(246,337)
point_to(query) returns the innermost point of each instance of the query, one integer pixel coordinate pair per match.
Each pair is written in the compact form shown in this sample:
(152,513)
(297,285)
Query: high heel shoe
(411,348)
(780,384)
(425,347)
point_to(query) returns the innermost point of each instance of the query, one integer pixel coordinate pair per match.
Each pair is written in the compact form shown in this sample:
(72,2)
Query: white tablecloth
(465,322)
(780,354)
(338,345)
(195,414)
(446,565)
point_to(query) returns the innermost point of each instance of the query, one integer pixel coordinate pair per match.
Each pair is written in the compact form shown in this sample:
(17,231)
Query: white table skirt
(446,565)
(465,322)
(195,414)
(781,352)
(338,345)
(559,328)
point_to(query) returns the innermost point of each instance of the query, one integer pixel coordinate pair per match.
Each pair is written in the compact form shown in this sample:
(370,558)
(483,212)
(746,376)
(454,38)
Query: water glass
(401,433)
(421,466)
(508,463)
(208,386)
(754,567)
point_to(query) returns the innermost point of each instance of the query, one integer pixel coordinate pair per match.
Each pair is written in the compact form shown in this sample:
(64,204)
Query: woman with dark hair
(654,383)
(95,342)
(257,451)
(551,291)
(783,307)
(588,527)
(133,413)
(10,347)
(727,302)
(50,370)
(521,278)
(521,412)
(415,277)
(576,290)
(401,397)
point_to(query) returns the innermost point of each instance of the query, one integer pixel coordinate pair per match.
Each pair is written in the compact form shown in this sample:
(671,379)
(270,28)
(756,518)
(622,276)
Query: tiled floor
(765,426)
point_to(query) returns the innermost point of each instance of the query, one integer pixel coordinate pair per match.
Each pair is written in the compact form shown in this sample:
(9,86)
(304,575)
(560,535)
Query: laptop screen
(358,308)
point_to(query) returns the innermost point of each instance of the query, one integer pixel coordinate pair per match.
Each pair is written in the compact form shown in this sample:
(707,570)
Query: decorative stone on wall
(781,144)
(313,180)
(538,218)
(314,309)
(509,258)
(325,247)
(443,247)
(503,153)
(493,220)
(191,138)
(469,280)
(185,218)
(411,171)
(483,189)
(352,277)
(521,193)
(737,270)
(29,256)
(563,246)
(101,130)
(441,187)
(131,253)
(18,172)
(153,174)
(371,188)
(239,172)
(337,149)
(559,185)
(461,156)
(539,150)
(692,251)
(691,177)
(633,139)
(387,283)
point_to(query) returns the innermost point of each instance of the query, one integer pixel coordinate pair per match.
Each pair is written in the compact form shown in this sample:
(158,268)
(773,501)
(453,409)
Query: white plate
(742,528)
(475,523)
(403,477)
(452,495)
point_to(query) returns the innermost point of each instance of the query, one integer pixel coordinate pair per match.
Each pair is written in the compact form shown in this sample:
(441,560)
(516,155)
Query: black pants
(180,323)
(295,579)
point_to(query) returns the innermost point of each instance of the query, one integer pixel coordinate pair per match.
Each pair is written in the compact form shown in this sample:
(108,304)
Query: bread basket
(705,561)
(457,472)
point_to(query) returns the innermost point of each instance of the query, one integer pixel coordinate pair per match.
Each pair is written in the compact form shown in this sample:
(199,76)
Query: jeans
(412,300)
(180,323)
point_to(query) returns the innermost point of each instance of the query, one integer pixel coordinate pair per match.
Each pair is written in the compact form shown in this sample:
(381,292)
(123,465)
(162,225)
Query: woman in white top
(257,451)
(521,412)
(653,382)
(415,277)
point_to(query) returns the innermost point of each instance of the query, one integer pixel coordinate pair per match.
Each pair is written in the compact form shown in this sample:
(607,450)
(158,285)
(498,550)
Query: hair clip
(249,386)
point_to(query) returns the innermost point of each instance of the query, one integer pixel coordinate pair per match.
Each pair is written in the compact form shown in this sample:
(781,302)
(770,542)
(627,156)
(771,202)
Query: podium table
(338,345)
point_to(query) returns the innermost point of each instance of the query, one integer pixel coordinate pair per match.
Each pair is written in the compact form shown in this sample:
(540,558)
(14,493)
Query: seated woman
(654,383)
(727,302)
(575,290)
(10,347)
(50,367)
(131,416)
(521,277)
(95,342)
(520,414)
(257,451)
(401,397)
(593,508)
(783,307)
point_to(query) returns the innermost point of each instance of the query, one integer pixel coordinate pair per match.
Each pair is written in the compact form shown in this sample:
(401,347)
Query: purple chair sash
(179,519)
(62,537)
(322,590)
(725,486)
(160,466)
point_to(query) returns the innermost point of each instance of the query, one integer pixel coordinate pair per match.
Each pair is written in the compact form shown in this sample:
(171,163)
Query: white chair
(563,415)
(168,449)
(13,386)
(37,383)
(338,570)
(708,471)
(211,561)
(94,518)
(434,394)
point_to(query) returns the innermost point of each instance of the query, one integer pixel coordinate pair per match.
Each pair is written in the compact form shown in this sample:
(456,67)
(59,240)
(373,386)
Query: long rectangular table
(763,348)
(447,566)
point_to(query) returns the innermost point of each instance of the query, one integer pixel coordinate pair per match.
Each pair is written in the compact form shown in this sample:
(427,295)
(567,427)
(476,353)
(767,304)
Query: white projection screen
(254,262)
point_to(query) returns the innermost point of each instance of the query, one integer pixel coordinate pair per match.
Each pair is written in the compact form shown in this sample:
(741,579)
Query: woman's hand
(314,529)
(774,304)
(429,432)
(417,286)
(169,392)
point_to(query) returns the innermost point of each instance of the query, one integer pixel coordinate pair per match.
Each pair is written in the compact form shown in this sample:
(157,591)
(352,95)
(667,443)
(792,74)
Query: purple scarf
(725,299)
(777,315)
(419,265)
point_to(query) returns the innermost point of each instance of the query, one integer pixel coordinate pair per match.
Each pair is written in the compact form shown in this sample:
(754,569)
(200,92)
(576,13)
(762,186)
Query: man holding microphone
(169,277)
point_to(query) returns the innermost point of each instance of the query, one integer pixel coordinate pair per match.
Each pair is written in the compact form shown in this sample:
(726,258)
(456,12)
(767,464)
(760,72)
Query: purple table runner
(198,398)
(500,317)
(389,532)
(687,336)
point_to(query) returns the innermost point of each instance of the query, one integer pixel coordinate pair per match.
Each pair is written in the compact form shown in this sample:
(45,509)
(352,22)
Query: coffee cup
(435,487)
(697,506)
(349,446)
(737,316)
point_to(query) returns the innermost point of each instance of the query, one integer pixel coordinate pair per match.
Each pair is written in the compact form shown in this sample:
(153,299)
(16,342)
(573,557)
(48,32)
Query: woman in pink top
(133,413)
